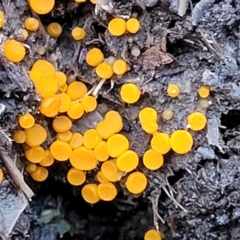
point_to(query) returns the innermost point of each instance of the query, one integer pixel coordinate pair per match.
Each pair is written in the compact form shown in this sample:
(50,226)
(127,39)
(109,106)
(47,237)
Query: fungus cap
(119,67)
(89,193)
(148,114)
(204,91)
(167,114)
(76,90)
(30,167)
(101,152)
(152,160)
(50,106)
(160,143)
(89,103)
(106,191)
(34,154)
(116,145)
(19,136)
(75,110)
(66,136)
(173,90)
(94,57)
(127,161)
(101,178)
(76,140)
(60,150)
(47,160)
(104,70)
(32,24)
(54,29)
(196,121)
(133,25)
(136,182)
(2,19)
(78,33)
(62,124)
(40,174)
(152,235)
(61,77)
(130,93)
(42,6)
(26,121)
(149,127)
(76,177)
(117,27)
(35,135)
(91,138)
(65,102)
(181,141)
(110,171)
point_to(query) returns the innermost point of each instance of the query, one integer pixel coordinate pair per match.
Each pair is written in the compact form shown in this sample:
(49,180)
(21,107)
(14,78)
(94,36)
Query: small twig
(156,215)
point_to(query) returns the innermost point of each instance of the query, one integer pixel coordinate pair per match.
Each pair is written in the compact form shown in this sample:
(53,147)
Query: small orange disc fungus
(89,103)
(14,51)
(94,1)
(19,136)
(89,193)
(94,57)
(78,33)
(50,106)
(204,91)
(133,25)
(26,121)
(66,136)
(1,175)
(64,88)
(76,140)
(110,171)
(54,29)
(117,27)
(61,124)
(100,151)
(65,102)
(34,154)
(60,150)
(101,178)
(152,159)
(117,144)
(127,161)
(91,138)
(148,114)
(2,19)
(136,182)
(167,114)
(40,174)
(47,160)
(31,167)
(149,127)
(61,77)
(152,235)
(76,177)
(120,67)
(104,70)
(42,6)
(32,24)
(83,159)
(75,110)
(196,121)
(35,135)
(106,191)
(173,90)
(181,141)
(130,93)
(161,143)
(76,90)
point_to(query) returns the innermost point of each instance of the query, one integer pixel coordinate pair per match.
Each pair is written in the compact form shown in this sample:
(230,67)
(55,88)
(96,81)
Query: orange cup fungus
(65,102)
(160,143)
(54,30)
(94,57)
(14,51)
(89,193)
(19,136)
(148,114)
(47,160)
(40,174)
(127,161)
(66,136)
(76,90)
(89,103)
(117,145)
(104,70)
(173,90)
(152,235)
(119,67)
(35,135)
(130,93)
(101,152)
(110,171)
(149,127)
(26,121)
(106,191)
(61,124)
(91,138)
(32,24)
(100,177)
(61,78)
(2,19)
(196,121)
(204,91)
(78,33)
(60,150)
(76,140)
(152,160)
(133,25)
(75,110)
(117,27)
(50,106)
(181,141)
(34,154)
(1,175)
(42,6)
(31,167)
(76,177)
(136,182)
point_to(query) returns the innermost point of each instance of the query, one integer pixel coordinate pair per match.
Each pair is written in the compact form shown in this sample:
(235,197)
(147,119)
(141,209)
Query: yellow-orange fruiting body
(94,57)
(42,6)
(30,167)
(204,91)
(76,177)
(54,29)
(78,33)
(127,161)
(60,150)
(110,171)
(80,1)
(149,127)
(106,191)
(104,70)
(14,51)
(181,141)
(89,103)
(75,110)
(19,136)
(167,114)
(117,145)
(101,178)
(152,159)
(89,193)
(91,138)
(136,183)
(133,25)
(76,140)
(76,90)
(34,154)
(101,152)
(26,121)
(152,235)
(173,90)
(35,135)
(196,121)
(61,124)
(160,143)
(61,78)
(130,93)
(117,27)
(64,88)
(2,19)
(65,102)
(40,174)
(32,24)
(47,160)
(94,1)
(148,114)
(66,136)
(1,175)
(119,67)
(83,159)
(50,106)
